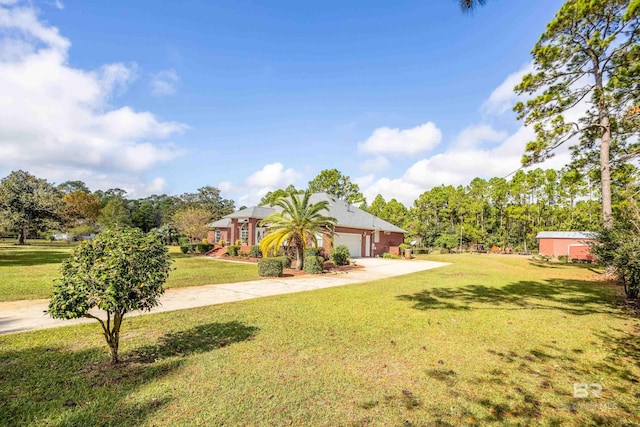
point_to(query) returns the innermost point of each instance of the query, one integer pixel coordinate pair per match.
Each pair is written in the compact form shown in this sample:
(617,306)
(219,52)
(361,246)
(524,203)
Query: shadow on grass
(27,258)
(572,296)
(201,339)
(55,386)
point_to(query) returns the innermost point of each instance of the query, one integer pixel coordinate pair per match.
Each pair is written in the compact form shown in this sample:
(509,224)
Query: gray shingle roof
(221,223)
(260,212)
(566,235)
(347,215)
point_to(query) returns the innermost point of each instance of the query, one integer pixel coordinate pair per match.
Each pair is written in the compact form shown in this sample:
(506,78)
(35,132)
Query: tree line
(504,212)
(33,207)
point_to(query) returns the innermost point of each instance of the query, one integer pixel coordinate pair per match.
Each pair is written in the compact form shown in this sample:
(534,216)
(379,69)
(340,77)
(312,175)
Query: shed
(573,244)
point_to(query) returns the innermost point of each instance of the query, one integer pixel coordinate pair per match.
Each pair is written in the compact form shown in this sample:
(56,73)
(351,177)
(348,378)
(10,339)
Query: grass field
(27,272)
(489,340)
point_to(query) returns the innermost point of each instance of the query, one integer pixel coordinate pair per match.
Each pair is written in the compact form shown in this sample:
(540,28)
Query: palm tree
(468,5)
(299,223)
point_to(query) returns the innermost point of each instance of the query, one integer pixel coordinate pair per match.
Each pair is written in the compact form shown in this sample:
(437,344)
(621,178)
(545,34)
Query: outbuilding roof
(566,235)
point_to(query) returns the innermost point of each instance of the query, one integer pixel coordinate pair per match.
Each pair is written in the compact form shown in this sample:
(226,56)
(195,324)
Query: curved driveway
(16,316)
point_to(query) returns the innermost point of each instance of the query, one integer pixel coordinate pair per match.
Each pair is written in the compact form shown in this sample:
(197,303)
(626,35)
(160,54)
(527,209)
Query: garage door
(352,241)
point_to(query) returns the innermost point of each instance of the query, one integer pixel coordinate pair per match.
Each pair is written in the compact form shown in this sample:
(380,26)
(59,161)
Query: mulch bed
(291,272)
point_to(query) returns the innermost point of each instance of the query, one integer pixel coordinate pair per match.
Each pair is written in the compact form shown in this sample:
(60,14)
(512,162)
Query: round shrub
(284,260)
(269,267)
(184,249)
(313,264)
(341,255)
(255,252)
(233,250)
(203,248)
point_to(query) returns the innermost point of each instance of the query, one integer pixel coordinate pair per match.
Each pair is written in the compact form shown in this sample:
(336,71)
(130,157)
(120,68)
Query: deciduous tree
(28,203)
(119,271)
(333,182)
(193,223)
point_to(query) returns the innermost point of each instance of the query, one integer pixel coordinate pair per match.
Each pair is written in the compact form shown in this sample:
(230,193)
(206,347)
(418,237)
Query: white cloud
(503,98)
(475,135)
(54,117)
(164,83)
(402,141)
(460,164)
(377,164)
(271,177)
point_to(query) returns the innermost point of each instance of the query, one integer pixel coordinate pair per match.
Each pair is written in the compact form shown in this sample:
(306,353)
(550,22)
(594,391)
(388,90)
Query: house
(364,234)
(574,244)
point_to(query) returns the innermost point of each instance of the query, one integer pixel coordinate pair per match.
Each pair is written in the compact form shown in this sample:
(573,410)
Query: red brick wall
(224,235)
(387,240)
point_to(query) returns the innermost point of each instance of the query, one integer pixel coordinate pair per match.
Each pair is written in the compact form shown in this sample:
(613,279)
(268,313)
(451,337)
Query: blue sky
(166,97)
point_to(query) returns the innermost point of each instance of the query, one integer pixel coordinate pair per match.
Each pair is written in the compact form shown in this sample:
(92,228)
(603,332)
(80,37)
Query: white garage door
(353,242)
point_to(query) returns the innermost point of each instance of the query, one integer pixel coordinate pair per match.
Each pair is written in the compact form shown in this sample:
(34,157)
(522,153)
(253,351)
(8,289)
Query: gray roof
(221,223)
(347,215)
(566,235)
(260,212)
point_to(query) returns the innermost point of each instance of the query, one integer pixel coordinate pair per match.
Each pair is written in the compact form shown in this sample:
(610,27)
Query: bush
(203,248)
(185,249)
(244,254)
(255,252)
(341,255)
(313,264)
(183,241)
(422,251)
(310,252)
(284,260)
(620,249)
(447,241)
(563,258)
(404,246)
(233,250)
(270,267)
(238,242)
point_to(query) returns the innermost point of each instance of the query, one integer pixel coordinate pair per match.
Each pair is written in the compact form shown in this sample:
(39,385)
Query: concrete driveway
(17,316)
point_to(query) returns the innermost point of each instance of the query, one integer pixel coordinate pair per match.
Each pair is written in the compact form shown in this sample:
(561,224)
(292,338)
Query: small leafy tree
(119,271)
(193,223)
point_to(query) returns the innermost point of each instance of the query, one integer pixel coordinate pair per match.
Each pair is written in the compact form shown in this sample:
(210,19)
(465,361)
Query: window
(216,236)
(244,232)
(376,236)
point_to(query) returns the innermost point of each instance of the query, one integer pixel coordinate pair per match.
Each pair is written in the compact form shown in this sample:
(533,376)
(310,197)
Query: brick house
(573,244)
(364,234)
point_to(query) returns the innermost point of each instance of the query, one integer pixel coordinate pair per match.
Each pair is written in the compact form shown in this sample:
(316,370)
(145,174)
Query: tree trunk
(605,173)
(605,147)
(299,256)
(21,236)
(113,337)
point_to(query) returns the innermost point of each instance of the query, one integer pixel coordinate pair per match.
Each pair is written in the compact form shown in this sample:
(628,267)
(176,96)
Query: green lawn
(27,272)
(489,340)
